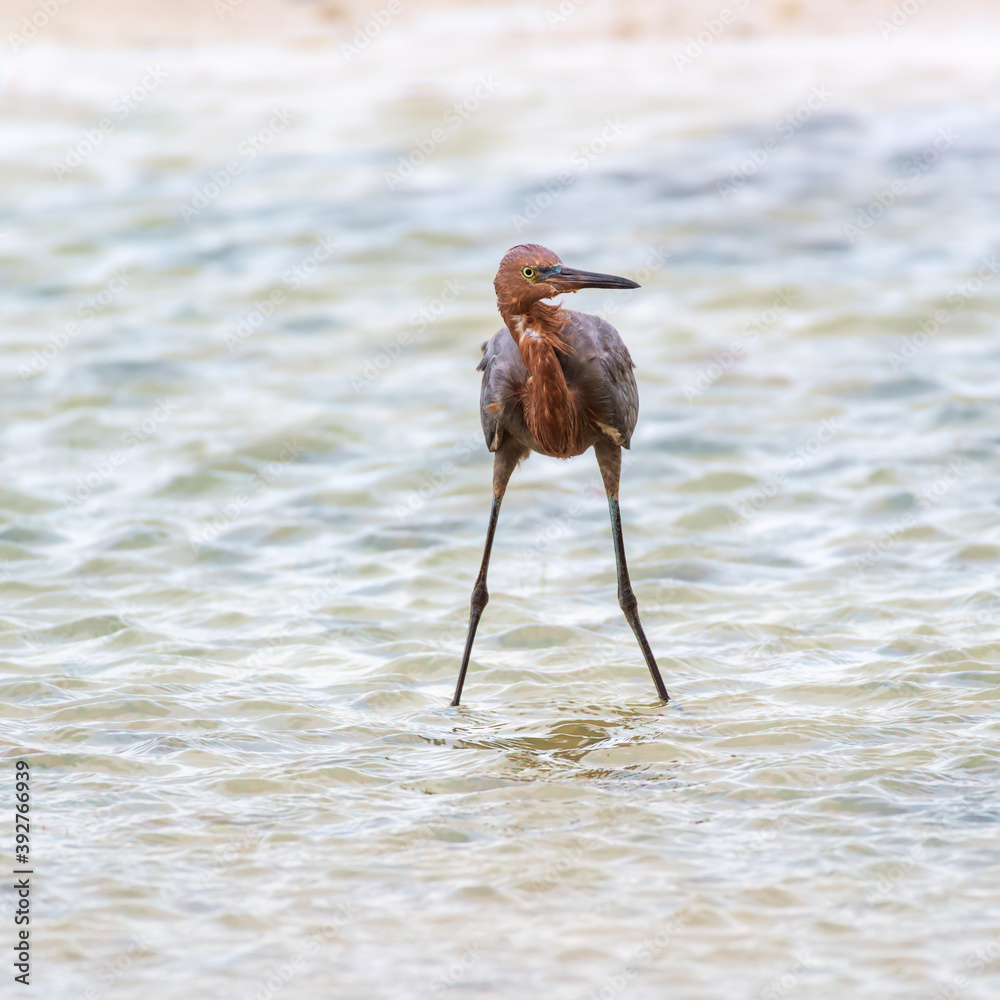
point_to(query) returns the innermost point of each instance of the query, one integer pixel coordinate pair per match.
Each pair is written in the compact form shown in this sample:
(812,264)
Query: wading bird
(556,382)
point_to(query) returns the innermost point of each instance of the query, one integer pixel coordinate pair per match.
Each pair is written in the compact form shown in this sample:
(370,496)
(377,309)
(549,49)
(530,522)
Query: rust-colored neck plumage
(551,409)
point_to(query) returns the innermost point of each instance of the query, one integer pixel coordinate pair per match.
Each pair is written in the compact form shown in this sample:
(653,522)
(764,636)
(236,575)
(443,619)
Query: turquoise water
(244,500)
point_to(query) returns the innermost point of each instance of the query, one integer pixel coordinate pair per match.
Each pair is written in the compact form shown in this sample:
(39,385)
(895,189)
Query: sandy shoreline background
(192,22)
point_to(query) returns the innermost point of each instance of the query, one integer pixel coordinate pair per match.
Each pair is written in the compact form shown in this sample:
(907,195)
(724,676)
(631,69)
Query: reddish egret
(555,382)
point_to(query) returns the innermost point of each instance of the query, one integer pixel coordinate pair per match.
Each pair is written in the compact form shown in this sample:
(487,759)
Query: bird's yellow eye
(528,272)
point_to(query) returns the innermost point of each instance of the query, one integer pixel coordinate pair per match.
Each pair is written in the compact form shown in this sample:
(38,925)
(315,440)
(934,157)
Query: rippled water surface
(243,501)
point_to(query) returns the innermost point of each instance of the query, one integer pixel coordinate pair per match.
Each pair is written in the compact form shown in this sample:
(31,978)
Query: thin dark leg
(504,463)
(480,597)
(610,461)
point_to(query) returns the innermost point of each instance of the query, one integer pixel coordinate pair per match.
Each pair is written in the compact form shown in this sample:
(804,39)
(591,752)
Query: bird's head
(529,273)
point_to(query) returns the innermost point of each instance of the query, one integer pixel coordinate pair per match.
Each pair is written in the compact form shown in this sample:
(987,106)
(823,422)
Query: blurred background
(248,251)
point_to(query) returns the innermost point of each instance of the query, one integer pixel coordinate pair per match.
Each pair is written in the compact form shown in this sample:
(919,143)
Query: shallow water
(236,550)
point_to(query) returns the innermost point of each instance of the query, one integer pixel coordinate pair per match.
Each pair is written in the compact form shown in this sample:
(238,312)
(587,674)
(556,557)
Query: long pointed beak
(569,279)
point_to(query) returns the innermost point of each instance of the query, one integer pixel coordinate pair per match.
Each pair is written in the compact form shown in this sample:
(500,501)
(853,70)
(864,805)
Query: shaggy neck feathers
(551,409)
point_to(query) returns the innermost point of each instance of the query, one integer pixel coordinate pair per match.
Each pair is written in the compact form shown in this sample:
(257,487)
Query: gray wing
(601,369)
(503,374)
